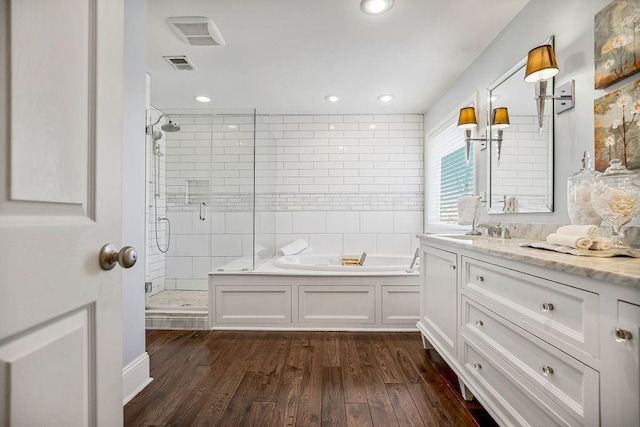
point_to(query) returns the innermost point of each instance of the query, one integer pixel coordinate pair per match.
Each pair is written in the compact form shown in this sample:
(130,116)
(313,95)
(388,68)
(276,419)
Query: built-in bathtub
(372,263)
(316,292)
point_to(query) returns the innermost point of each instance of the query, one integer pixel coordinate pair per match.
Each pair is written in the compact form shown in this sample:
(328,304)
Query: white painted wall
(133,188)
(571,21)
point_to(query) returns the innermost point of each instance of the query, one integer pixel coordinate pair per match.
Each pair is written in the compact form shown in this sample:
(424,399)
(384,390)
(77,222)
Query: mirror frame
(498,210)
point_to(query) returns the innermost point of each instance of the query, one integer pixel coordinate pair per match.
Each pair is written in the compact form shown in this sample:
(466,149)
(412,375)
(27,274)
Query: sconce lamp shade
(541,64)
(467,118)
(500,118)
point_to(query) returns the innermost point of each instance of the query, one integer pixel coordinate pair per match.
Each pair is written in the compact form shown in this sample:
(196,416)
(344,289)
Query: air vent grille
(181,63)
(196,30)
(192,29)
(202,41)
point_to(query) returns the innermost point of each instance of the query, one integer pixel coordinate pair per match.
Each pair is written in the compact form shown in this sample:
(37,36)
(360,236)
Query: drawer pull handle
(547,306)
(547,370)
(621,335)
(477,366)
(479,323)
(452,267)
(480,278)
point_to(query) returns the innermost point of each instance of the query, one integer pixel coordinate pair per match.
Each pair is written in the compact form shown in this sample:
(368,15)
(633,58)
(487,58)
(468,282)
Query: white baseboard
(135,377)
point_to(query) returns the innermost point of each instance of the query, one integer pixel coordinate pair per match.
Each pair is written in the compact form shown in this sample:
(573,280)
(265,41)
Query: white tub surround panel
(536,336)
(277,299)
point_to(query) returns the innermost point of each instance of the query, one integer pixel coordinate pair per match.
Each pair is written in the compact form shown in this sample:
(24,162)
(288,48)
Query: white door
(60,202)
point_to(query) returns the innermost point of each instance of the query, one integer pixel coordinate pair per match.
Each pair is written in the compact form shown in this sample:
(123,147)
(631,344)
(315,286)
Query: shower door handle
(203,211)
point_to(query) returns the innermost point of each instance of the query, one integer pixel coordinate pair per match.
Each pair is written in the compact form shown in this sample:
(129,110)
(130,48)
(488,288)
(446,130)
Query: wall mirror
(521,163)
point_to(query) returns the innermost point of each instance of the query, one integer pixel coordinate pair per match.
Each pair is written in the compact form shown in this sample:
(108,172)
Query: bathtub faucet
(362,258)
(413,262)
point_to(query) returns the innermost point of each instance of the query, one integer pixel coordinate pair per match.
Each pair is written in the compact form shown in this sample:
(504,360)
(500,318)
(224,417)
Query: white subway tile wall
(344,183)
(524,165)
(155,260)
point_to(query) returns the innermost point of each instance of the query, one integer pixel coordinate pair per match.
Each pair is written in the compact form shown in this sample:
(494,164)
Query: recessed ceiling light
(386,98)
(375,7)
(232,127)
(202,98)
(372,126)
(332,98)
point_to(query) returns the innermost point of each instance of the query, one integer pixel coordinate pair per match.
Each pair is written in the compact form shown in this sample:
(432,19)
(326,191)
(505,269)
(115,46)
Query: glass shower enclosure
(210,202)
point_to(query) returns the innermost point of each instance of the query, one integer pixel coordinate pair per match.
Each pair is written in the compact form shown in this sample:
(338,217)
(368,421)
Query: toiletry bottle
(579,186)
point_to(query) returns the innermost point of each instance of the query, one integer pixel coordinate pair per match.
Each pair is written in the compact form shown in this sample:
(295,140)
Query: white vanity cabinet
(439,292)
(533,343)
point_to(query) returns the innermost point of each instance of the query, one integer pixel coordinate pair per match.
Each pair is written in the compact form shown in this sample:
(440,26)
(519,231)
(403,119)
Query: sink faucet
(496,231)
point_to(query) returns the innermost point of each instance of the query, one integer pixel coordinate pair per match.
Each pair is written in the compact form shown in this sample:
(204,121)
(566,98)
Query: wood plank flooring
(246,378)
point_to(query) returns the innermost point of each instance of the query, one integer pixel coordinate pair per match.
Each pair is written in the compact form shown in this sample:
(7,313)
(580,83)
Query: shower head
(170,127)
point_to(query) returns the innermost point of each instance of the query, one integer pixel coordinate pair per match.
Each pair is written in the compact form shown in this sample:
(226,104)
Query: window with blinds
(448,176)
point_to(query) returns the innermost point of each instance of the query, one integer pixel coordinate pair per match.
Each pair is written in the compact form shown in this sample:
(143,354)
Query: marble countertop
(620,270)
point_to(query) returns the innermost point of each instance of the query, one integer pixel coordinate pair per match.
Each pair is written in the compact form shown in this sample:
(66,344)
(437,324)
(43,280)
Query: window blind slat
(448,176)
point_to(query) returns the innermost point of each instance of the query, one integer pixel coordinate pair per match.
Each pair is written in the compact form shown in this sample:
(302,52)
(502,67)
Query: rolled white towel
(578,242)
(601,244)
(293,248)
(260,250)
(590,231)
(467,209)
(306,251)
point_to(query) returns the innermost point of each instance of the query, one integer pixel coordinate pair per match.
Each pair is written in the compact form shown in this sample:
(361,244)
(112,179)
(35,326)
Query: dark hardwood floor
(234,378)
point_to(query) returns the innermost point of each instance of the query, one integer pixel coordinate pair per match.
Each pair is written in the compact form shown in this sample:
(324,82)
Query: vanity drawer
(507,395)
(572,385)
(553,311)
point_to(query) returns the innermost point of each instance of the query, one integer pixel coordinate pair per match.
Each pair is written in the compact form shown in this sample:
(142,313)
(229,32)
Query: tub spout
(413,262)
(362,258)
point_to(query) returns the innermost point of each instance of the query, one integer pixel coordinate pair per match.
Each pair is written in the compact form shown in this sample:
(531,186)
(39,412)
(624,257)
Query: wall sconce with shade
(542,66)
(467,121)
(500,121)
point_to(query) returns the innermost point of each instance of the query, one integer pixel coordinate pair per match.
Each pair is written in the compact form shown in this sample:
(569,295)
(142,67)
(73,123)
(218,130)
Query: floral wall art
(617,127)
(617,42)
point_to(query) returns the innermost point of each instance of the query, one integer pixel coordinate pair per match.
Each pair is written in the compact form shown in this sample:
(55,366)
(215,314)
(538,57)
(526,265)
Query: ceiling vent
(180,63)
(196,30)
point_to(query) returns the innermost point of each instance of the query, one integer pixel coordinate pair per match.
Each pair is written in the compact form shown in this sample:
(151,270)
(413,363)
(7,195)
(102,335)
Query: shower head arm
(149,128)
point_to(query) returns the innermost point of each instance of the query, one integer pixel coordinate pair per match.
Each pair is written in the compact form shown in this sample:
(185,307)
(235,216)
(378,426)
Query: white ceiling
(284,56)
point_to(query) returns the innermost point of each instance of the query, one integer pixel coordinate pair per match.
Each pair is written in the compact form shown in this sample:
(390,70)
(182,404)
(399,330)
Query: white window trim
(471,101)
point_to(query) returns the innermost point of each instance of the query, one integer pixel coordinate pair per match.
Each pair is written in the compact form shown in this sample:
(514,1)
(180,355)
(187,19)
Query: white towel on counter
(578,242)
(468,209)
(293,248)
(590,231)
(601,244)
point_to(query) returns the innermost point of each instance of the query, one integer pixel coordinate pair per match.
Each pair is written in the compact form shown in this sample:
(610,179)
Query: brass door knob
(110,256)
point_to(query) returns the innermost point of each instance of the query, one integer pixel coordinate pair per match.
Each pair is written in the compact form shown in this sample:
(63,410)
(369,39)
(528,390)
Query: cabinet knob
(477,366)
(480,278)
(479,323)
(621,335)
(452,267)
(547,306)
(547,370)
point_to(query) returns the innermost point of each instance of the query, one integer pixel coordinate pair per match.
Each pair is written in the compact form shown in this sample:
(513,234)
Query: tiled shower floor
(177,310)
(179,300)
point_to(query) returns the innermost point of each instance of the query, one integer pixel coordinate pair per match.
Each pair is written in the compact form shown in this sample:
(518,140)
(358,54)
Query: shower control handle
(203,211)
(110,256)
